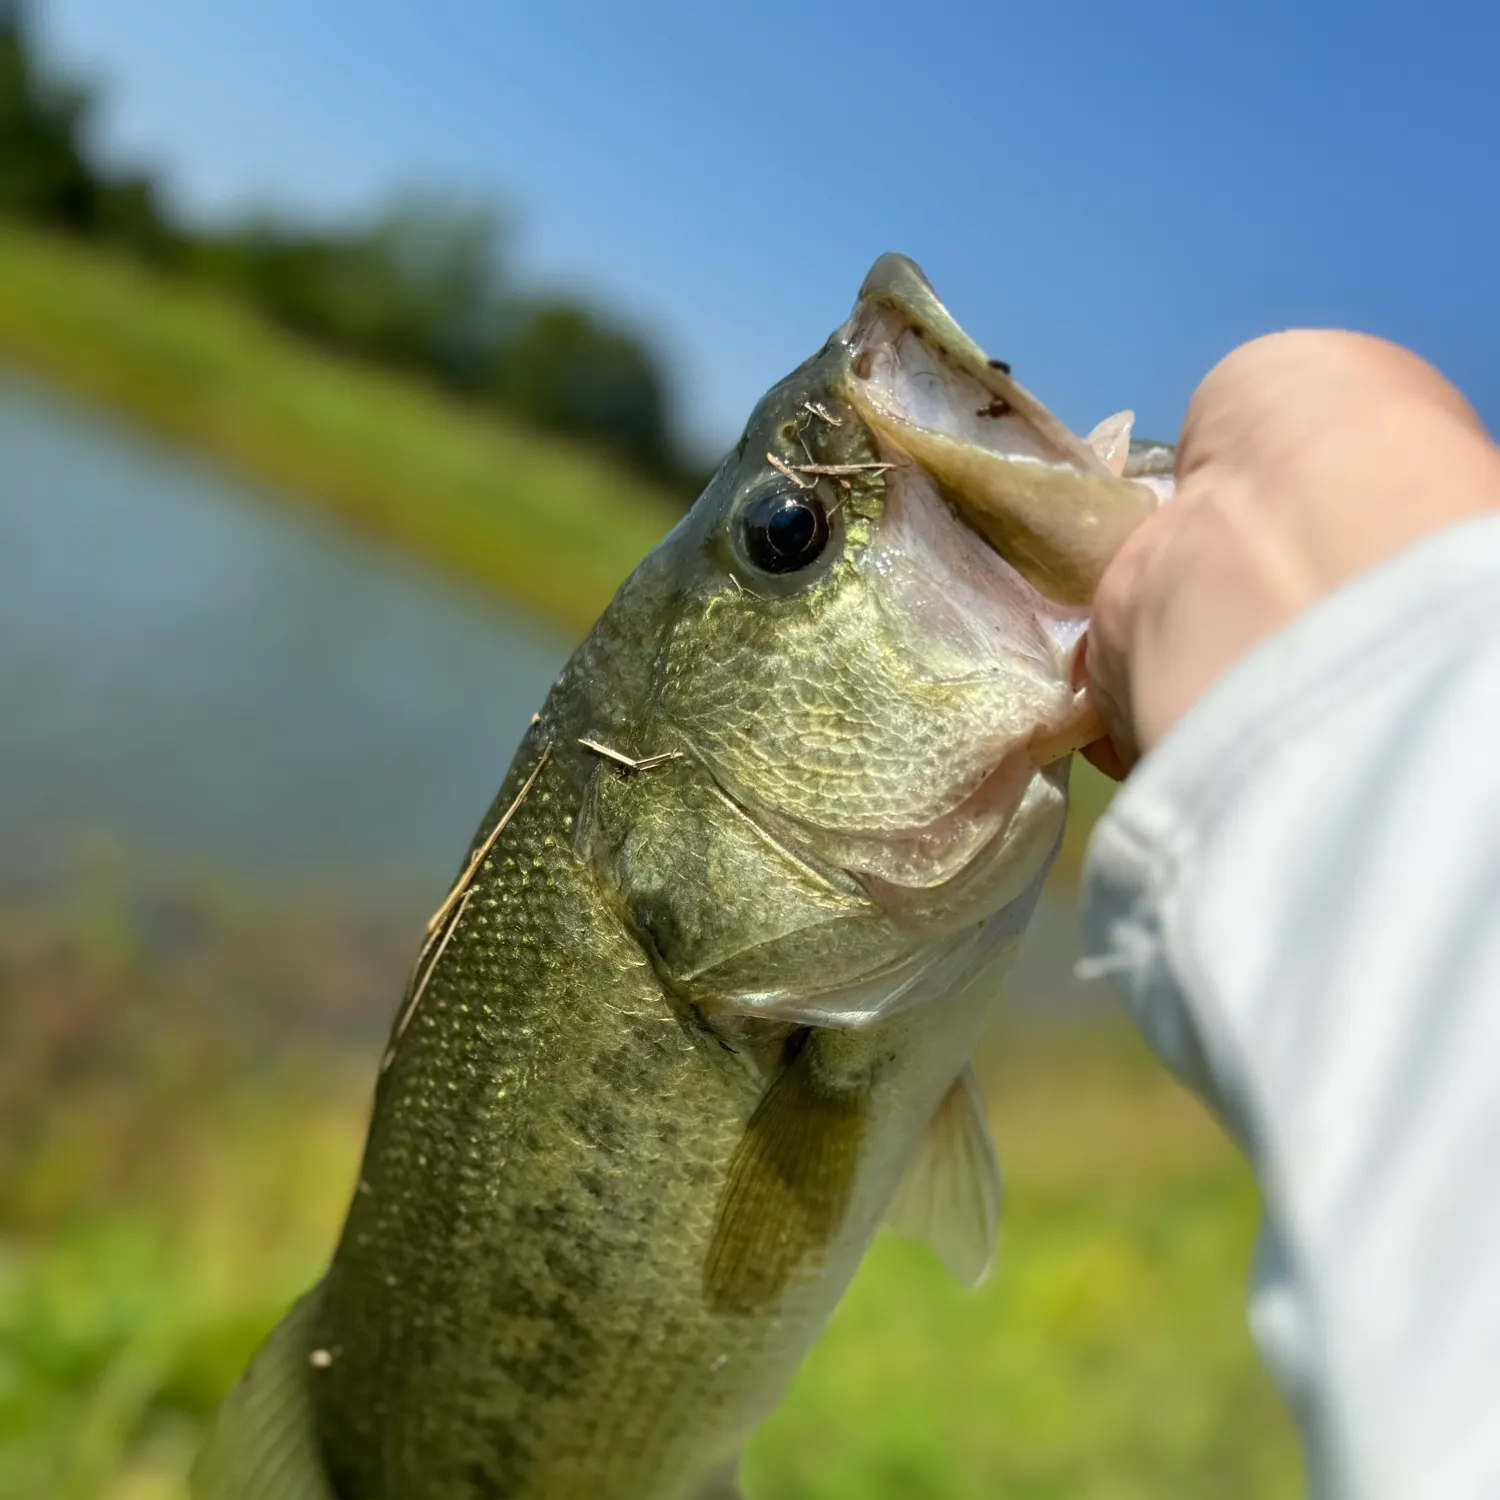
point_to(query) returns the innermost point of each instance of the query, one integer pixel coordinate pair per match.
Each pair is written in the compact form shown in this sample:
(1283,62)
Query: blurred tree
(560,367)
(44,172)
(421,285)
(418,286)
(447,258)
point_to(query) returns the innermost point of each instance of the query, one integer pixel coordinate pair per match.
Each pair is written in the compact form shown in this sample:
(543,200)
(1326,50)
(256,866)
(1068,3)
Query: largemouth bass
(697,1014)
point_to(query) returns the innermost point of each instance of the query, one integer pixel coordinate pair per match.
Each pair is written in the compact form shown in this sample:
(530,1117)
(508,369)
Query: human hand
(1305,459)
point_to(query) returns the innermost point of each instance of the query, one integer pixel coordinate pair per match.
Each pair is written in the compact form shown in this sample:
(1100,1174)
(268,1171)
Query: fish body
(697,1014)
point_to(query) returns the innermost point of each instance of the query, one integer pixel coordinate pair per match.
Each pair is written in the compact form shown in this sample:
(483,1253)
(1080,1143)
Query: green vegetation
(534,518)
(170,1178)
(123,1318)
(417,286)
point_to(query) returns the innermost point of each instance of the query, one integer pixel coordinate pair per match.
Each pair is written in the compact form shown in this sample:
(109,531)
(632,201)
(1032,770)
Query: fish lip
(897,283)
(1041,496)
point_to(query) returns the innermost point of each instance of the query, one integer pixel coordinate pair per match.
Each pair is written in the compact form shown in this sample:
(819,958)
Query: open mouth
(1053,505)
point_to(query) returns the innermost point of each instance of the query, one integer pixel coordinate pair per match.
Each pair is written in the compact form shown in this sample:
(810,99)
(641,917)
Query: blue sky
(1109,200)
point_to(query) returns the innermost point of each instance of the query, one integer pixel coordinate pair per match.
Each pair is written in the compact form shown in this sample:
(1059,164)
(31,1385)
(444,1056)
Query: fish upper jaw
(1049,501)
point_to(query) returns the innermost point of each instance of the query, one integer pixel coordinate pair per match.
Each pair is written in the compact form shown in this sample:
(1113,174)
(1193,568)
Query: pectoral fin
(950,1196)
(788,1186)
(264,1445)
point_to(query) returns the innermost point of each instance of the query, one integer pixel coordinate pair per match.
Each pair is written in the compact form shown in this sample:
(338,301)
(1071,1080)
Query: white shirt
(1298,894)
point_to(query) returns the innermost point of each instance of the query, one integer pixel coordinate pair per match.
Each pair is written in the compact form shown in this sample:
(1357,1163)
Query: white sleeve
(1298,894)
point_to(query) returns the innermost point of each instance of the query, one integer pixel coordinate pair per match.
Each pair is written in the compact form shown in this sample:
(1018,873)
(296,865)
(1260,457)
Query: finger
(1350,447)
(1113,625)
(1306,458)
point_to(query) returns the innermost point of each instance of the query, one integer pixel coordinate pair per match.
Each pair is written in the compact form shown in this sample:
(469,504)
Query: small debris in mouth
(997,408)
(864,364)
(1002,365)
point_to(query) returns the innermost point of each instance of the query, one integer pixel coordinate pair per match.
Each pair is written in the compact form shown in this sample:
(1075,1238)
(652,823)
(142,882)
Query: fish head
(850,681)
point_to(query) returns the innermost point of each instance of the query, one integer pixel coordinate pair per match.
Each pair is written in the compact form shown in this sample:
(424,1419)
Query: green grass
(122,1322)
(167,1188)
(544,524)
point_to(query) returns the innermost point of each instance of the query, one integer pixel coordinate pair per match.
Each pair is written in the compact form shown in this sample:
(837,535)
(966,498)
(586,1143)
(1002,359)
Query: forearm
(1298,894)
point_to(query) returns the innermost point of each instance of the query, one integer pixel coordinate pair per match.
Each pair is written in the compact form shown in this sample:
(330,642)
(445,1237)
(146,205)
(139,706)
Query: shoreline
(481,499)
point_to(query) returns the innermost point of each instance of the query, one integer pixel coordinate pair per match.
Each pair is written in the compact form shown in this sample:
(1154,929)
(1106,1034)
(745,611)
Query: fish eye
(785,531)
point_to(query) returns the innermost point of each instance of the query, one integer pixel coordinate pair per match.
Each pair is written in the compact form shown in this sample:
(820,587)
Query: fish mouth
(1057,507)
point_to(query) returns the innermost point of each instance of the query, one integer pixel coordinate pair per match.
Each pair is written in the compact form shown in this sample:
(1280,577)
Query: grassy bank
(1106,1360)
(168,1184)
(545,525)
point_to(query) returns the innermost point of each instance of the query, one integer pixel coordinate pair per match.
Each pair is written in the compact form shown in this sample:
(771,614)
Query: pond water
(208,675)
